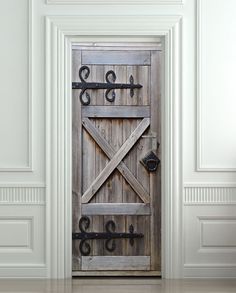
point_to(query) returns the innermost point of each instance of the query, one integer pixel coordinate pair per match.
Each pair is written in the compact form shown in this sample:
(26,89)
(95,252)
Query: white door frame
(61,33)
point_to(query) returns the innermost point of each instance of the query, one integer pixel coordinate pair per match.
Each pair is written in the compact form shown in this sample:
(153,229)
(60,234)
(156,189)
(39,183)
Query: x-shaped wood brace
(116,160)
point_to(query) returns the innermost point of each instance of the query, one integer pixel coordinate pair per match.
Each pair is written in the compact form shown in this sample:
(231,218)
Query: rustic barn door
(116,160)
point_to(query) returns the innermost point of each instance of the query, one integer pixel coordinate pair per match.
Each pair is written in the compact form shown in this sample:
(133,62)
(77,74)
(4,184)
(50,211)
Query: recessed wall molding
(22,195)
(22,248)
(28,167)
(115,2)
(16,234)
(202,93)
(204,195)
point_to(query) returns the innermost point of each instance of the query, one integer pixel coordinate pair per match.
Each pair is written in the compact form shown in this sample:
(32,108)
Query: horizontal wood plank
(116,111)
(116,58)
(111,263)
(93,209)
(117,274)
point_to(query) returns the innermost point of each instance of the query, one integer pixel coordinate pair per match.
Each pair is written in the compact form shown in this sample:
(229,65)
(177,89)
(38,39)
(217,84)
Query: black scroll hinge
(109,85)
(110,235)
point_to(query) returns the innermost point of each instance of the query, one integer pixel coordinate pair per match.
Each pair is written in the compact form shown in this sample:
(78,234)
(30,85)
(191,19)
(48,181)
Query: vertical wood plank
(100,163)
(143,146)
(155,177)
(76,159)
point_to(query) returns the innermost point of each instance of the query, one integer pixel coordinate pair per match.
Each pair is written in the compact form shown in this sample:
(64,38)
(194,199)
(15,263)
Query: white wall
(209,138)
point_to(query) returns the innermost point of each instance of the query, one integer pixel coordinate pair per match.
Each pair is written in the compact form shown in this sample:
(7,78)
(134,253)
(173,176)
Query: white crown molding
(201,167)
(60,32)
(115,2)
(29,164)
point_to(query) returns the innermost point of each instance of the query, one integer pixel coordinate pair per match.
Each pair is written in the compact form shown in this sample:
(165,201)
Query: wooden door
(116,168)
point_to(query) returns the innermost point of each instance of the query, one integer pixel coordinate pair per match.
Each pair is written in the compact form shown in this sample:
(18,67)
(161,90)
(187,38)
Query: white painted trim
(29,166)
(115,2)
(22,184)
(60,32)
(220,265)
(200,166)
(213,271)
(209,184)
(24,195)
(35,271)
(210,195)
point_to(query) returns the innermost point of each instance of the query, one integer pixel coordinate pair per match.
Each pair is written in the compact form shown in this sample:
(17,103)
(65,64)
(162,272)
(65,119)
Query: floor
(118,285)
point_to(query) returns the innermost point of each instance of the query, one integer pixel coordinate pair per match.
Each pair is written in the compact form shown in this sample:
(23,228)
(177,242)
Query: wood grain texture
(76,160)
(110,152)
(116,111)
(115,161)
(115,185)
(115,209)
(155,177)
(116,58)
(111,263)
(123,273)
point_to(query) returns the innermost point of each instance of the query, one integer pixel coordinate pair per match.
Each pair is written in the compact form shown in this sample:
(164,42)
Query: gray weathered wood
(117,274)
(119,46)
(115,161)
(76,159)
(116,111)
(116,58)
(111,263)
(118,197)
(91,209)
(124,170)
(155,177)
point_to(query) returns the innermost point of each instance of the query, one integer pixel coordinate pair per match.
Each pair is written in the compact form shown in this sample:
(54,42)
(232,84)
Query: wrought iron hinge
(109,235)
(110,85)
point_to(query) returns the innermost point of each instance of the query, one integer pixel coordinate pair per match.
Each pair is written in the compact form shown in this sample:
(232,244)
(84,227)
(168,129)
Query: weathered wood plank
(117,274)
(116,58)
(76,160)
(124,170)
(92,209)
(116,111)
(119,46)
(100,162)
(155,177)
(111,263)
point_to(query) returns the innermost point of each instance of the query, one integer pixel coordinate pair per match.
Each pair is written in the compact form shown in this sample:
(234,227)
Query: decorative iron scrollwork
(110,85)
(150,162)
(110,235)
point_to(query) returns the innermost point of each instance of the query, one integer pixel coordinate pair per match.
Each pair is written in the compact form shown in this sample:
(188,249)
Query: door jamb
(60,34)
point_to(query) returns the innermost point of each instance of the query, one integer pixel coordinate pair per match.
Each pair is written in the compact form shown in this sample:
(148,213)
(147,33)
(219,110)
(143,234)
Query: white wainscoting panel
(22,242)
(216,121)
(218,232)
(16,233)
(15,90)
(209,232)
